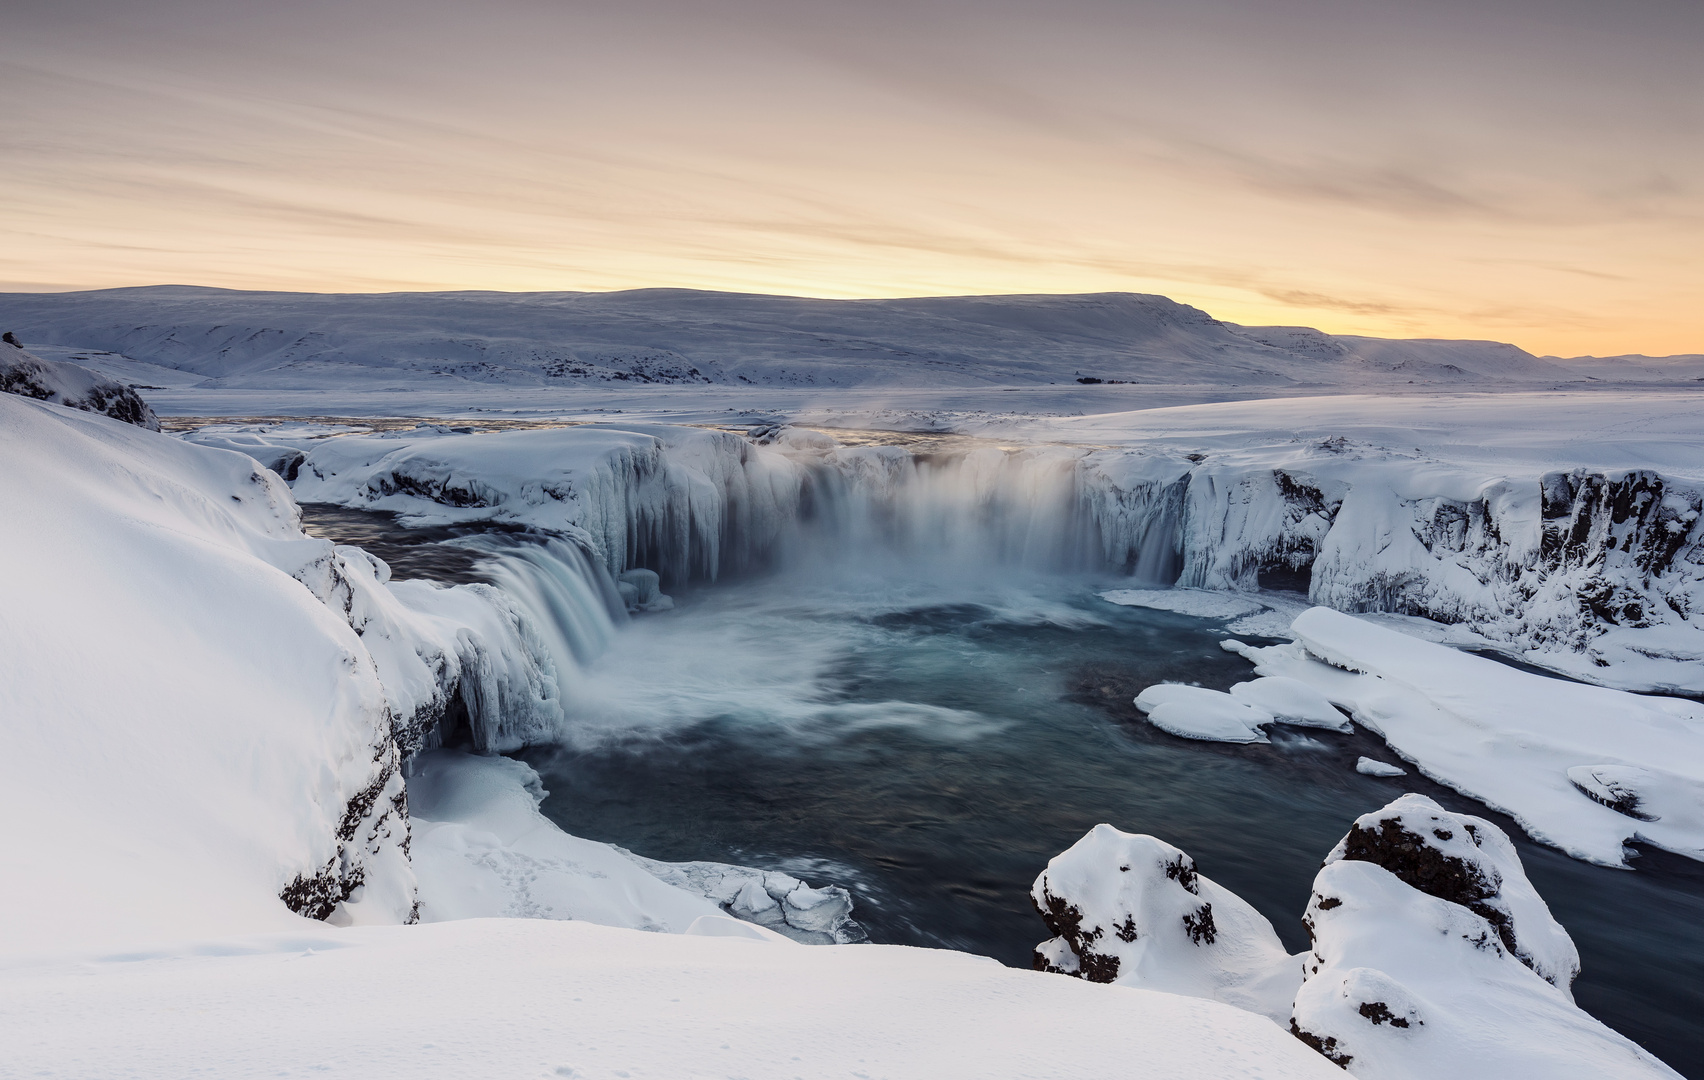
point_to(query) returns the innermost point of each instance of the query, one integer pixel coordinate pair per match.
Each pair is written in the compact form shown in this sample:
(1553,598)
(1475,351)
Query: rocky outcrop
(71,385)
(1131,909)
(1432,955)
(1465,860)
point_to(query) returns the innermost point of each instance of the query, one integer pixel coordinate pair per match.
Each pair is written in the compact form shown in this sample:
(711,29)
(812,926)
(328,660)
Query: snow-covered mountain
(234,339)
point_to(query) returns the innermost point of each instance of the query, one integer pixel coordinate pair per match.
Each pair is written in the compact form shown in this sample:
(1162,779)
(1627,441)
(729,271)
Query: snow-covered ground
(307,341)
(511,997)
(1587,769)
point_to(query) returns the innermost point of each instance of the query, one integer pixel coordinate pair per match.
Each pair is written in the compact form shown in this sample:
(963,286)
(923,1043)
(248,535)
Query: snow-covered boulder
(72,385)
(1468,861)
(1128,908)
(1434,956)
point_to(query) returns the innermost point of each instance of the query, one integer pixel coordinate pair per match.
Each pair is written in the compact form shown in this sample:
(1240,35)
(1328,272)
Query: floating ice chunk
(1200,603)
(1292,701)
(1194,712)
(770,898)
(1366,766)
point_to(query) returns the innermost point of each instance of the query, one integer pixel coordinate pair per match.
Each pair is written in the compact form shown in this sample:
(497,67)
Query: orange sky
(1527,170)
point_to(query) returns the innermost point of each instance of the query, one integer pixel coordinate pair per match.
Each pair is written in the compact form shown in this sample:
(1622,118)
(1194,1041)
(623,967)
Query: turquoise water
(930,746)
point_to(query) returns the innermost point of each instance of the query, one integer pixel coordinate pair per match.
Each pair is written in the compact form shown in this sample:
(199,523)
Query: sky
(1522,170)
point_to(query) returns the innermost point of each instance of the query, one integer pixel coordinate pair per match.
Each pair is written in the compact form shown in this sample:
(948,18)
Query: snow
(1432,954)
(507,997)
(1367,766)
(1196,602)
(71,385)
(482,850)
(189,729)
(1132,910)
(1195,712)
(1548,752)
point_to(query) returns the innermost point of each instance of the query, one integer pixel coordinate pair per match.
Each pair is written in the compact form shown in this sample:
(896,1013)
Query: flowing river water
(929,737)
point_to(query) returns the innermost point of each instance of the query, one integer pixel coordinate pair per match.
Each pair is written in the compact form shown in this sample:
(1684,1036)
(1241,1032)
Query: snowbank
(1584,768)
(1432,954)
(76,387)
(501,997)
(190,732)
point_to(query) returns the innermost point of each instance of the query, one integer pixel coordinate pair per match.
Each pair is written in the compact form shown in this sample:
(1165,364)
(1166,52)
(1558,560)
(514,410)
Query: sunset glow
(1520,171)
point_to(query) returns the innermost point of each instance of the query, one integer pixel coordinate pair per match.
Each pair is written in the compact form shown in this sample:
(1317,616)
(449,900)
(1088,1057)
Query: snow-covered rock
(1402,982)
(197,743)
(1584,768)
(76,387)
(1468,861)
(1432,954)
(1127,908)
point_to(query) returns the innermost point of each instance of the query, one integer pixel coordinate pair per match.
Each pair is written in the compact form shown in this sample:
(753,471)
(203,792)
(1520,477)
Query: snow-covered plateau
(263,820)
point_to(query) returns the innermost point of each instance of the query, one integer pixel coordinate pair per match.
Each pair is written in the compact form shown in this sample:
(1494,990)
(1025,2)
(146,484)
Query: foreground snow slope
(511,998)
(189,730)
(203,707)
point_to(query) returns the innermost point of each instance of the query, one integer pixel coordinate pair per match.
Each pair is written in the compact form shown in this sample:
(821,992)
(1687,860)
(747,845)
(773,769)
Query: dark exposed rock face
(71,385)
(1410,857)
(373,815)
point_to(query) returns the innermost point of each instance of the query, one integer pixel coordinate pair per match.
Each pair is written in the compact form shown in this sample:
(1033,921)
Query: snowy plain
(1427,489)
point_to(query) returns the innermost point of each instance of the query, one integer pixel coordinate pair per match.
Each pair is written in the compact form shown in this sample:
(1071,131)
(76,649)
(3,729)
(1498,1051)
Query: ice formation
(768,898)
(1432,954)
(1592,571)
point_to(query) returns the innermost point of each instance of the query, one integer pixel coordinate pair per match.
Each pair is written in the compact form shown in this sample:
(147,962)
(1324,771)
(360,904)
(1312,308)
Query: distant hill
(268,340)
